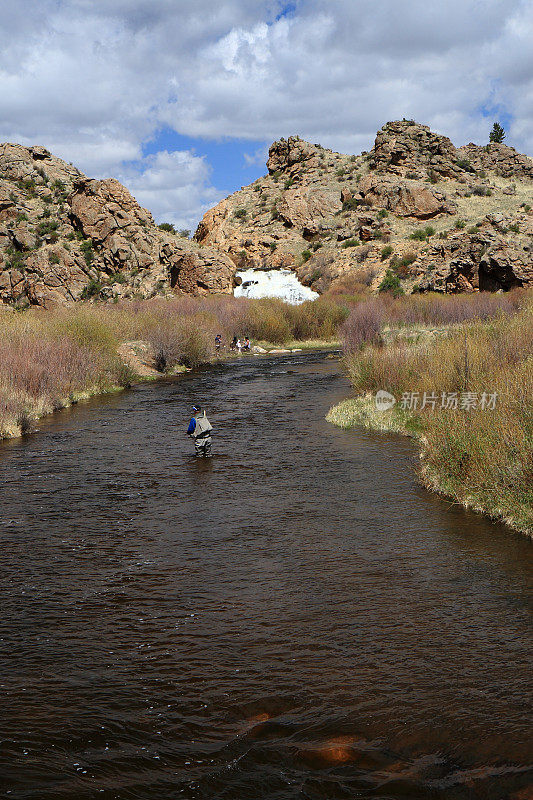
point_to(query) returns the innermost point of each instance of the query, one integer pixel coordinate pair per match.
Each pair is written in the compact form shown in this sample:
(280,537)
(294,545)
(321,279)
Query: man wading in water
(200,430)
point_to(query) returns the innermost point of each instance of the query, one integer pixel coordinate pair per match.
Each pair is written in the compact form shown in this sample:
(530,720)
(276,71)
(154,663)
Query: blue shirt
(192,426)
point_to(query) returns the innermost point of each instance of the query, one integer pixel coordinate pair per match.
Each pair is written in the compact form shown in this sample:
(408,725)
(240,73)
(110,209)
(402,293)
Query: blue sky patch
(226,157)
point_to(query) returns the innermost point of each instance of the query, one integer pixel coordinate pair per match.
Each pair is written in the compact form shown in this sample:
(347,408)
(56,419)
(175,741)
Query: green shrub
(460,224)
(514,227)
(401,265)
(92,288)
(86,248)
(29,185)
(391,284)
(383,213)
(386,252)
(167,226)
(350,243)
(53,258)
(47,228)
(306,255)
(240,213)
(117,277)
(481,191)
(421,234)
(351,204)
(288,183)
(464,163)
(16,259)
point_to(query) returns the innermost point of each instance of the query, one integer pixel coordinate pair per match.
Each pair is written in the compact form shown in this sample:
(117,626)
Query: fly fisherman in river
(200,430)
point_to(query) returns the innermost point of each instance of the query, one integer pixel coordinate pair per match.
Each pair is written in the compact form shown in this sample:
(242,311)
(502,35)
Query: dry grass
(483,458)
(51,359)
(370,317)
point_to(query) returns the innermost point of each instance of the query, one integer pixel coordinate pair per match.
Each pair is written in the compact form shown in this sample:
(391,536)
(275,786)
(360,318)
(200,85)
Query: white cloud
(94,79)
(257,158)
(173,186)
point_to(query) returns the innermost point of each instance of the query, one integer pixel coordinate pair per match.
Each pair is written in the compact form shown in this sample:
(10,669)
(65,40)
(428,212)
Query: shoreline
(361,411)
(141,372)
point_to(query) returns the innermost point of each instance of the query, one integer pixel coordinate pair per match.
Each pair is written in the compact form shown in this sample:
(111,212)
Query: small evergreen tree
(497,133)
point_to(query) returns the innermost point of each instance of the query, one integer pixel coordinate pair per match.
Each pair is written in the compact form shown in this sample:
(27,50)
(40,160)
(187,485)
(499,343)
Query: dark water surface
(295,618)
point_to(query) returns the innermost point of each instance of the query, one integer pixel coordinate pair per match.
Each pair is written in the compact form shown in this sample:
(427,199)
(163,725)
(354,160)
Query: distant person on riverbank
(218,342)
(200,430)
(246,344)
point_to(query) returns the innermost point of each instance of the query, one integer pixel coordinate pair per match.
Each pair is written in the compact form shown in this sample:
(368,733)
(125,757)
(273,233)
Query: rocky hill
(64,237)
(439,217)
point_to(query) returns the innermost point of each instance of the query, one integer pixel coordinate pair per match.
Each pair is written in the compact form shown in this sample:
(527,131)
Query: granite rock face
(499,158)
(64,237)
(443,218)
(484,260)
(341,221)
(406,146)
(405,198)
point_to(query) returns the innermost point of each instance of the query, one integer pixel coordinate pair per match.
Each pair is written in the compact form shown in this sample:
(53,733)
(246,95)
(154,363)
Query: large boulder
(286,153)
(307,208)
(404,146)
(405,198)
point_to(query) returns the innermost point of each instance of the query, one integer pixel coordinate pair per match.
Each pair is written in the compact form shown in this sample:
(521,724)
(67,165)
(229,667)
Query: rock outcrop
(442,218)
(484,259)
(497,158)
(64,237)
(405,146)
(344,220)
(405,198)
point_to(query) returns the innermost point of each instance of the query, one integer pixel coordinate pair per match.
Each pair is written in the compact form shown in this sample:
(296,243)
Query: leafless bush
(364,325)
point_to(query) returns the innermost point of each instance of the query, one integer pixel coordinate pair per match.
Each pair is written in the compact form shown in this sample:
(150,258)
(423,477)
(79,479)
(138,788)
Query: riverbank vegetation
(466,393)
(433,344)
(50,359)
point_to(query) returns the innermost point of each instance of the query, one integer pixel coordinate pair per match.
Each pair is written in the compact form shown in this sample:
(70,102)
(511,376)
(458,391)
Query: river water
(294,618)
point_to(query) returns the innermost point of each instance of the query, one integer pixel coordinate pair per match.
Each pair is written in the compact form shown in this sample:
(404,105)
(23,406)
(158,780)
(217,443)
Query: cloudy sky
(180,100)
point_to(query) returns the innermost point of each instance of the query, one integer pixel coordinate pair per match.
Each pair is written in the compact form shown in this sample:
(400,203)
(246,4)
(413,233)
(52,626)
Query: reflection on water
(295,618)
